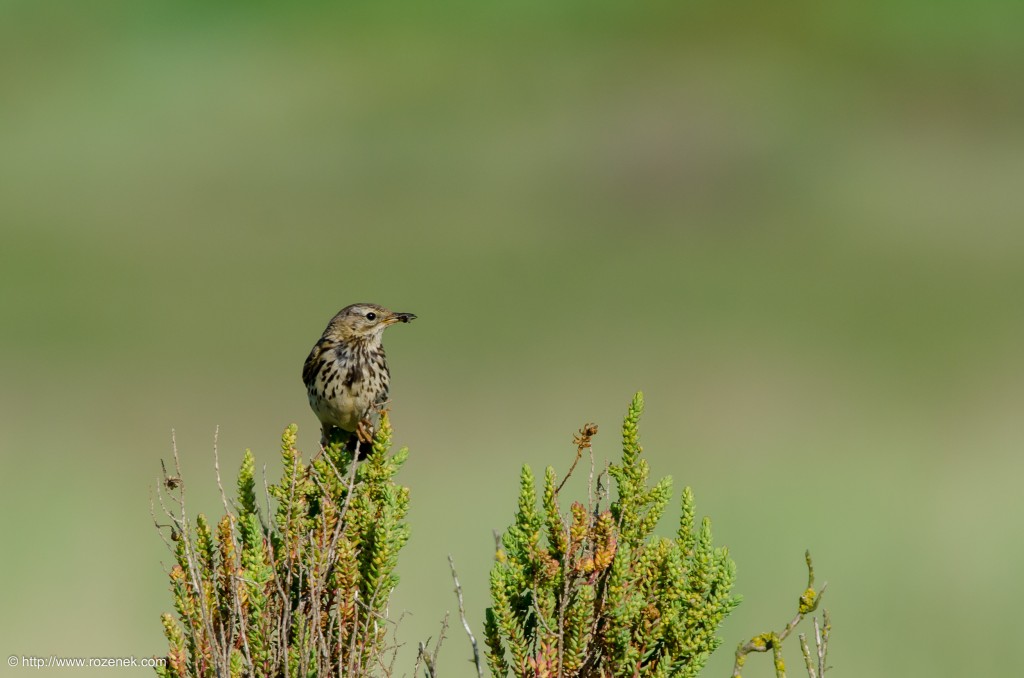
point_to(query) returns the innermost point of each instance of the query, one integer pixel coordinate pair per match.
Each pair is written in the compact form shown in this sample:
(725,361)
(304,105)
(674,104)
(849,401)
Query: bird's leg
(364,431)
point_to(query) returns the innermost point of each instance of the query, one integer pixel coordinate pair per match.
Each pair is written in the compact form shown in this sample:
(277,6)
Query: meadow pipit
(346,374)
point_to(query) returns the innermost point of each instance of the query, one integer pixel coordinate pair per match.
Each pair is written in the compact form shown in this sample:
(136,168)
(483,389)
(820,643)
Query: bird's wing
(313,363)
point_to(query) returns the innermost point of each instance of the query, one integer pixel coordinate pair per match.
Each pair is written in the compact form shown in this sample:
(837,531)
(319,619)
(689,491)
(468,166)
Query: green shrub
(304,595)
(592,593)
(303,589)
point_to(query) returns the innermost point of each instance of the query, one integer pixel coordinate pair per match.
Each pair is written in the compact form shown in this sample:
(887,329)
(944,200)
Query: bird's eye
(371,316)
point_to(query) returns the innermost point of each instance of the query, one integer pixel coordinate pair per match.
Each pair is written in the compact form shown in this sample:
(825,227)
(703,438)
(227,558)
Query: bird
(346,374)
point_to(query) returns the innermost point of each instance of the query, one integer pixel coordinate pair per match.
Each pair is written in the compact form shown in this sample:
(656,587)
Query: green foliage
(592,593)
(587,592)
(305,594)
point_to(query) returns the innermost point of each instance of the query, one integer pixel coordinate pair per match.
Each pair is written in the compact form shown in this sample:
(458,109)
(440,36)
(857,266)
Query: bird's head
(365,322)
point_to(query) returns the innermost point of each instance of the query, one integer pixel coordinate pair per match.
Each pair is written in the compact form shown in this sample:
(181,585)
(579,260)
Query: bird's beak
(403,317)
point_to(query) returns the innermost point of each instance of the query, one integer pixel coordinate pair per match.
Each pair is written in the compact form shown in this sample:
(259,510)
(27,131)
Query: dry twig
(462,617)
(773,641)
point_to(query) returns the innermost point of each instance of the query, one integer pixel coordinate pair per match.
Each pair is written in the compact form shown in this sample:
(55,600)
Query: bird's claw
(364,432)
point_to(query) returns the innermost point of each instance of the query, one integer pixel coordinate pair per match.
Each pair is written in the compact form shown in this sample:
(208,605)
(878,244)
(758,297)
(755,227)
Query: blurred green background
(798,229)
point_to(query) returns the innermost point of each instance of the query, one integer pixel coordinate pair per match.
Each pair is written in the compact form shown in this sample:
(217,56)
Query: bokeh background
(798,229)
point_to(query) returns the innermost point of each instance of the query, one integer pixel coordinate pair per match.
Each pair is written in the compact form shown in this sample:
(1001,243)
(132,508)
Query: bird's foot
(364,431)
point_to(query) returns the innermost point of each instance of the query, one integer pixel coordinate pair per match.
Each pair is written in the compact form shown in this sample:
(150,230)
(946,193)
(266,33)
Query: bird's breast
(350,381)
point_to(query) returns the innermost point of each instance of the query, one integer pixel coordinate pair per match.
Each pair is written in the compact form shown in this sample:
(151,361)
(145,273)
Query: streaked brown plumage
(346,374)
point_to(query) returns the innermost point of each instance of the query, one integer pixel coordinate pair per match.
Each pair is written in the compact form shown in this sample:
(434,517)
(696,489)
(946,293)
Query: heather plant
(591,591)
(301,586)
(300,591)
